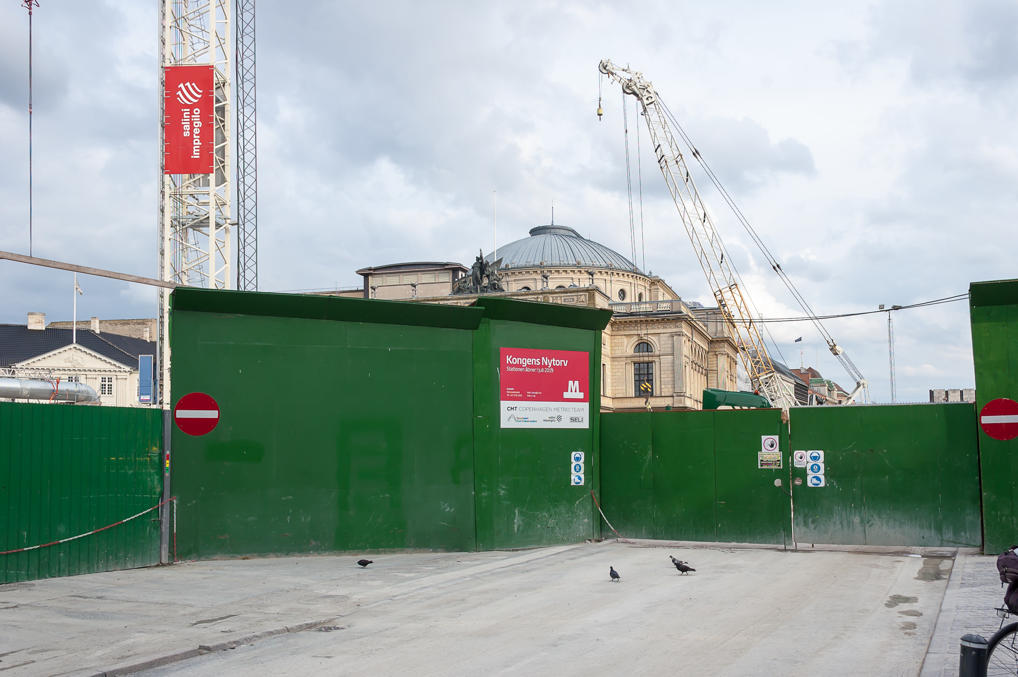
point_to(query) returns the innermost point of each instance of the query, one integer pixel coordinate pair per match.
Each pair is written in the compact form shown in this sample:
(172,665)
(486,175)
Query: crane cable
(629,180)
(771,260)
(639,183)
(726,196)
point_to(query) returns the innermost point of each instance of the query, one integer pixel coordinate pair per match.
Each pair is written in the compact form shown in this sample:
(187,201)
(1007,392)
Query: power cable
(920,304)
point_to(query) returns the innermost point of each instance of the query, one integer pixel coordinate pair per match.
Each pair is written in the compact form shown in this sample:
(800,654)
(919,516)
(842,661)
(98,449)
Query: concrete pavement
(544,611)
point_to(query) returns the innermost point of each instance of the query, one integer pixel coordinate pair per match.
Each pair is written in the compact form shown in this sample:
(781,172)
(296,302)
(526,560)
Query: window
(622,295)
(643,379)
(639,297)
(524,289)
(73,379)
(106,385)
(643,347)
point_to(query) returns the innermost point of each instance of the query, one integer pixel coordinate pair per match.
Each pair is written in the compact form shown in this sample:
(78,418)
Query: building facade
(108,363)
(658,352)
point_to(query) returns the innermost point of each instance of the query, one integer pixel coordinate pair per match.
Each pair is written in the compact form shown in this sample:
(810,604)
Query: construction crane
(247,147)
(709,249)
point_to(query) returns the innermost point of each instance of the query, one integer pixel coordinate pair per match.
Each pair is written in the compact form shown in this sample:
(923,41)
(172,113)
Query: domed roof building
(657,352)
(560,246)
(557,257)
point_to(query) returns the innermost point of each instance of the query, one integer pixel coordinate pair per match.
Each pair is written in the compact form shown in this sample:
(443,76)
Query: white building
(108,363)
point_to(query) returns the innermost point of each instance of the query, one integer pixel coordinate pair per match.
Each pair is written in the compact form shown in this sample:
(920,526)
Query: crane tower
(196,203)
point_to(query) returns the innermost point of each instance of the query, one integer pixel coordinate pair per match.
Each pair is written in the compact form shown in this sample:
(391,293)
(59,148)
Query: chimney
(37,321)
(148,334)
(95,324)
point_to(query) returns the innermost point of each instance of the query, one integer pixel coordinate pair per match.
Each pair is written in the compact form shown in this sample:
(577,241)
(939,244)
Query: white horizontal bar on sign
(197,413)
(1004,418)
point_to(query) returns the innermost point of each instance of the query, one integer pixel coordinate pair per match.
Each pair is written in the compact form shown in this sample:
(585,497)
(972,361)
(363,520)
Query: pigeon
(364,562)
(682,566)
(614,574)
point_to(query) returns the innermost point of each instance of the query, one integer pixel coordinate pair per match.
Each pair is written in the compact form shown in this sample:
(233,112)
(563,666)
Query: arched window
(643,379)
(643,347)
(561,286)
(639,297)
(524,289)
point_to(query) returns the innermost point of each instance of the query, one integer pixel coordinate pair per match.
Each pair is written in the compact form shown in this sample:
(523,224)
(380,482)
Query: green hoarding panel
(694,476)
(993,308)
(750,508)
(70,470)
(333,435)
(627,473)
(684,476)
(894,475)
(523,490)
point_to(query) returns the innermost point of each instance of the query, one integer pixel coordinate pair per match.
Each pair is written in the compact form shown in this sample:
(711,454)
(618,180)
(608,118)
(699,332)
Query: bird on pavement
(614,574)
(682,566)
(364,562)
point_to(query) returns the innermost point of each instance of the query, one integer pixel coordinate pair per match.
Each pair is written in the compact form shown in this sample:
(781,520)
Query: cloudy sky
(873,146)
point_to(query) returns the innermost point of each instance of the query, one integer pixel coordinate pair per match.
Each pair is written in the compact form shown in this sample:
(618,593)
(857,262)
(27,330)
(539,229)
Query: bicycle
(1002,649)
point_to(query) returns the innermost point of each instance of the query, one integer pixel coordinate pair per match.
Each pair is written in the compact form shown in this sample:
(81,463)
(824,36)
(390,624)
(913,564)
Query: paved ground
(548,611)
(972,595)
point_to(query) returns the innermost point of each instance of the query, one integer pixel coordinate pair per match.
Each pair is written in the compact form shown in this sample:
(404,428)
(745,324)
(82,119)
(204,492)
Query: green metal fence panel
(524,496)
(69,470)
(750,508)
(894,475)
(685,475)
(694,475)
(627,470)
(993,308)
(334,434)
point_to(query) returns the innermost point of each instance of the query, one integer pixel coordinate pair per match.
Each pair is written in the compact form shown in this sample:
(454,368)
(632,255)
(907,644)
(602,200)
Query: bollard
(973,656)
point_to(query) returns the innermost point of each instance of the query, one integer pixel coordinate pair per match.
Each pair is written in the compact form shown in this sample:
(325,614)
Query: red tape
(617,534)
(89,533)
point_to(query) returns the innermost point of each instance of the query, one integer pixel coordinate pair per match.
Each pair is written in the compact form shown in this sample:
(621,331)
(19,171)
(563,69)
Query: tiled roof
(19,343)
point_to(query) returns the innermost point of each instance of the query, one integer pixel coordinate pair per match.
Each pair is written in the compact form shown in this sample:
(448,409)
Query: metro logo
(573,391)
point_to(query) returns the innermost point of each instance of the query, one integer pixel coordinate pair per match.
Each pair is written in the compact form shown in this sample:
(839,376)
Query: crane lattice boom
(704,237)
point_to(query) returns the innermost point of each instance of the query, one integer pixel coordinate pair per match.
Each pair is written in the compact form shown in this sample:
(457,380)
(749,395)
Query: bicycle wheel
(1002,652)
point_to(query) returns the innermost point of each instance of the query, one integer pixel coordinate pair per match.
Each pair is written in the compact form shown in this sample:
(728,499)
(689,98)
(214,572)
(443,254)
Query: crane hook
(600,111)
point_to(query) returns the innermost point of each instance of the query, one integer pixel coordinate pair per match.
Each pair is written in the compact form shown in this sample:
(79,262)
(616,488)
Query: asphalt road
(547,611)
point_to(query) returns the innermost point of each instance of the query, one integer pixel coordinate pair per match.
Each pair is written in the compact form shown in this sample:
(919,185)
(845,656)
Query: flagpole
(74,318)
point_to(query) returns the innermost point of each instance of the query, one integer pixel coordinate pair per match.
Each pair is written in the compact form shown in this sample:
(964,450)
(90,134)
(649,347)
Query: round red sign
(196,413)
(999,418)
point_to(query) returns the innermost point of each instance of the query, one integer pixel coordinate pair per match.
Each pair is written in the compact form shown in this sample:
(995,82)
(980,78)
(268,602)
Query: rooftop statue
(483,278)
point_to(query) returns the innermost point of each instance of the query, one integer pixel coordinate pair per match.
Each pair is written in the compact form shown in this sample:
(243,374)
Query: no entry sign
(196,413)
(999,418)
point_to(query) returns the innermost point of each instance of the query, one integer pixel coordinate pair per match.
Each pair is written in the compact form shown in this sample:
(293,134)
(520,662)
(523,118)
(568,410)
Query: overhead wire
(836,316)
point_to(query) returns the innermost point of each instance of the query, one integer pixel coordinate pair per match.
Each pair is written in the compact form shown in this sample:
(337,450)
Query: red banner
(188,120)
(544,388)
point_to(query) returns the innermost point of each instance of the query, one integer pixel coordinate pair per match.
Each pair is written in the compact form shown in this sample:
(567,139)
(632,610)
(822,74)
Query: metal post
(973,656)
(166,511)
